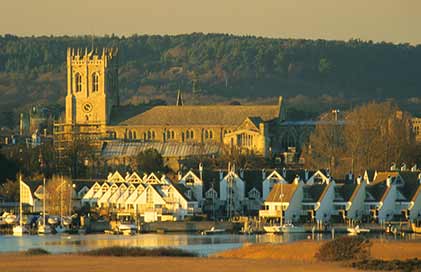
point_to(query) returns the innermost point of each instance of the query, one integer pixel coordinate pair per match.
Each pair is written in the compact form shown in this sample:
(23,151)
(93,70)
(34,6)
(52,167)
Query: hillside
(216,68)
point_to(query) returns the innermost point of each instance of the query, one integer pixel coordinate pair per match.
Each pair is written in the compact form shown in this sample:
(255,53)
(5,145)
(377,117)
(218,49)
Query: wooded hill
(217,66)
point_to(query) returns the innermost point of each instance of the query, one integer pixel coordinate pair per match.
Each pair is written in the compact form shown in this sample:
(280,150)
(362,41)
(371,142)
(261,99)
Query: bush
(36,251)
(119,251)
(394,265)
(345,248)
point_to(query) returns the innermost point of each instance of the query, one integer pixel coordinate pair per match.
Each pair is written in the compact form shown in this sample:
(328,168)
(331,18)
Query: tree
(8,168)
(10,190)
(377,135)
(58,192)
(150,161)
(372,136)
(326,145)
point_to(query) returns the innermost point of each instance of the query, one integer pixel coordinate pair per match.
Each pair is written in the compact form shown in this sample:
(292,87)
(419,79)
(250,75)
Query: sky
(397,21)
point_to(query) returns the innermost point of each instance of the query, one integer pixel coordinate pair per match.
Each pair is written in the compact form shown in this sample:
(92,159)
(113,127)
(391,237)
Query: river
(203,245)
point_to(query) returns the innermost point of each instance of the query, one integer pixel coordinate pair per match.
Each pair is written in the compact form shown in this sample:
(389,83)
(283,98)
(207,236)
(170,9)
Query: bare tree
(58,191)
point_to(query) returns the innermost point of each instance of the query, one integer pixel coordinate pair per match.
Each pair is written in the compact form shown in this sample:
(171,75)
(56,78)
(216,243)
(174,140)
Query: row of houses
(296,195)
(378,197)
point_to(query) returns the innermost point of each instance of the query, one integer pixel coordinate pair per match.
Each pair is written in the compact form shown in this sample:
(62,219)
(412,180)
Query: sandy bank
(297,256)
(71,263)
(305,251)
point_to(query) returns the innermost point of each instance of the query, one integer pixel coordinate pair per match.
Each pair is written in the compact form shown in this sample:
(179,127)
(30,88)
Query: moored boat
(357,230)
(291,228)
(272,229)
(416,228)
(213,230)
(127,228)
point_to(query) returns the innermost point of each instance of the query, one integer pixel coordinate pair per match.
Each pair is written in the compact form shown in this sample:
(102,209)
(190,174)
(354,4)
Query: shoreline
(294,256)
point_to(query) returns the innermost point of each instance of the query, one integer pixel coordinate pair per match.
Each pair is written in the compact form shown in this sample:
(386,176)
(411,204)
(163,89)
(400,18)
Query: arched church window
(210,134)
(78,82)
(191,134)
(206,134)
(95,82)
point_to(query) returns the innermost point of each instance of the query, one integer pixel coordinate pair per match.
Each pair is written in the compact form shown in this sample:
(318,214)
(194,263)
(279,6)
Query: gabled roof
(345,192)
(314,192)
(210,179)
(370,174)
(382,176)
(282,193)
(183,190)
(378,191)
(210,115)
(253,179)
(410,185)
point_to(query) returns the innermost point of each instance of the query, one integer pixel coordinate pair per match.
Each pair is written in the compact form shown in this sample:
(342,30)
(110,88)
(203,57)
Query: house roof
(183,190)
(282,192)
(411,184)
(210,179)
(378,190)
(382,176)
(253,179)
(370,174)
(209,115)
(345,192)
(314,192)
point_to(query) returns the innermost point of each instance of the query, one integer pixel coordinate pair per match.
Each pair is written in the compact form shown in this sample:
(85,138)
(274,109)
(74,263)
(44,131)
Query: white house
(284,201)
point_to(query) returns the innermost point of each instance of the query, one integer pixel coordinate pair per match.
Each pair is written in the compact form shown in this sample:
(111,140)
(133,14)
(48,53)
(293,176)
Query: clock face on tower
(87,107)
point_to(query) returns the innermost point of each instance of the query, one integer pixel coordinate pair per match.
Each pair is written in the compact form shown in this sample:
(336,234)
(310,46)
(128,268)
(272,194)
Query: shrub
(344,249)
(36,251)
(394,265)
(119,251)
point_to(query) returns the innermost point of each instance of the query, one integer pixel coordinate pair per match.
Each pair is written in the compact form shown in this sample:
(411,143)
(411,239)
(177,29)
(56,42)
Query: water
(203,245)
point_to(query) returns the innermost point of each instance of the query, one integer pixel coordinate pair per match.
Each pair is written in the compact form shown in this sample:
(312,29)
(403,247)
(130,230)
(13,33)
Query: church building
(92,108)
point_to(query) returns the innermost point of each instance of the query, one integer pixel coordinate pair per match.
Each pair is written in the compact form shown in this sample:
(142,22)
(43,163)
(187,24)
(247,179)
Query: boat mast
(282,202)
(20,200)
(43,201)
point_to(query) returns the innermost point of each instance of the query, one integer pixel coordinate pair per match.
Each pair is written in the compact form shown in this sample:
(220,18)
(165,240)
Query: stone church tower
(92,86)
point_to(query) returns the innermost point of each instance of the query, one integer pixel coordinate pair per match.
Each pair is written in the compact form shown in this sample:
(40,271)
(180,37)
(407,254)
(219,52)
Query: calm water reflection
(202,245)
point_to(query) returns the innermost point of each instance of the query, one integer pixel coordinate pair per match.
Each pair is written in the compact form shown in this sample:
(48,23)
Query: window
(208,134)
(78,82)
(149,135)
(95,82)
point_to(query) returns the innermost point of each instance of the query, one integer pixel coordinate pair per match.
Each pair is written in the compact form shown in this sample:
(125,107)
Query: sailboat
(20,229)
(61,228)
(44,228)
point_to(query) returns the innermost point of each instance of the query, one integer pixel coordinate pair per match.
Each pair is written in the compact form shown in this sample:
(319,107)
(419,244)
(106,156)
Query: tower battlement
(79,56)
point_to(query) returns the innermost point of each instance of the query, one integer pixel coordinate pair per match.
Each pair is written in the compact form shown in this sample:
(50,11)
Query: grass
(119,251)
(36,251)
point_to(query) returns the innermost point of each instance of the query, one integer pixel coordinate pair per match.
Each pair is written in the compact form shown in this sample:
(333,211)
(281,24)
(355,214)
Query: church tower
(92,86)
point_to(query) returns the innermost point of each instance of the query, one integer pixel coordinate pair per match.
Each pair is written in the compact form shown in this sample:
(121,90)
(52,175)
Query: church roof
(170,149)
(210,115)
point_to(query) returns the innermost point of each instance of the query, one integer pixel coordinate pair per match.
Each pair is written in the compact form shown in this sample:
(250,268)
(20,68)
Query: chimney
(327,172)
(127,175)
(351,176)
(179,176)
(263,174)
(306,177)
(284,173)
(393,167)
(221,175)
(359,179)
(296,179)
(414,168)
(403,167)
(388,181)
(329,180)
(201,171)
